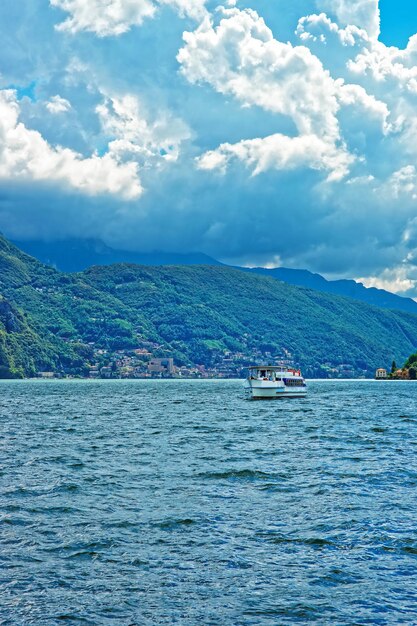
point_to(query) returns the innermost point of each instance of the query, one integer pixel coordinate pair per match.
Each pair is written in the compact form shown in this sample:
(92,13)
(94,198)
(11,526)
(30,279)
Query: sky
(398,21)
(260,132)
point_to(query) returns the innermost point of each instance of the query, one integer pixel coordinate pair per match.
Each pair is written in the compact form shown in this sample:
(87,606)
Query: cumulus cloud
(241,57)
(383,78)
(58,105)
(362,13)
(281,153)
(320,28)
(115,17)
(25,155)
(358,127)
(131,132)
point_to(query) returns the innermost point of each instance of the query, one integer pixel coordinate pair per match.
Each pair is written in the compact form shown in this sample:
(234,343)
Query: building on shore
(381,373)
(401,374)
(106,372)
(161,366)
(46,374)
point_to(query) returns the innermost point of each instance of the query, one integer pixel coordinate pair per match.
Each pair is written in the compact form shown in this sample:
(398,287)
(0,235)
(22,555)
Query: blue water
(179,502)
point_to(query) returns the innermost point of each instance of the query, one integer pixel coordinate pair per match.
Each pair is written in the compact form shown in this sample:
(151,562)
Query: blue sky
(398,21)
(257,131)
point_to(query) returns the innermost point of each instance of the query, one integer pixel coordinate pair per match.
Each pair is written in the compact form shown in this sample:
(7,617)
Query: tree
(411,360)
(412,373)
(393,367)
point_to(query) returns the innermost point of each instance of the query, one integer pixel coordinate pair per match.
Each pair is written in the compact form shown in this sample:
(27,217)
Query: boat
(267,382)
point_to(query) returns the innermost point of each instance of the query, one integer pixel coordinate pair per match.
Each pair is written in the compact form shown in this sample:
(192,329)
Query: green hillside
(195,313)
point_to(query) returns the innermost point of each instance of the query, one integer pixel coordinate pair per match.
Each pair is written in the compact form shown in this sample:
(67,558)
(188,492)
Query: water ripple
(136,503)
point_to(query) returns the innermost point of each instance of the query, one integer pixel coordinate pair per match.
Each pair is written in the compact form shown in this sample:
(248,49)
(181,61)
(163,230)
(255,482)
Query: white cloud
(385,72)
(281,153)
(110,18)
(240,57)
(403,183)
(361,13)
(58,105)
(149,142)
(115,17)
(187,8)
(320,28)
(352,100)
(387,77)
(25,155)
(393,279)
(370,110)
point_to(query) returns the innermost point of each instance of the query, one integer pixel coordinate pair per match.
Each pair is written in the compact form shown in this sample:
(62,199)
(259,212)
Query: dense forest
(50,320)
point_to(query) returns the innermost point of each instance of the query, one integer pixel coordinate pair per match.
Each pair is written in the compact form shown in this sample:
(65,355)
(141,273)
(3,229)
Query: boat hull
(273,391)
(276,396)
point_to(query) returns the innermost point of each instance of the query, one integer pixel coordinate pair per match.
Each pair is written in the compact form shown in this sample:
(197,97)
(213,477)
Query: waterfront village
(142,363)
(151,360)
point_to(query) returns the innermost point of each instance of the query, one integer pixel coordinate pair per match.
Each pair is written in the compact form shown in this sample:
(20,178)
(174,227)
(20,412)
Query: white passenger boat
(271,382)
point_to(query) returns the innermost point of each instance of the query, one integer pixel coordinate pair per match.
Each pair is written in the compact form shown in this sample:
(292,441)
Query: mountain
(76,255)
(21,348)
(52,320)
(28,342)
(346,288)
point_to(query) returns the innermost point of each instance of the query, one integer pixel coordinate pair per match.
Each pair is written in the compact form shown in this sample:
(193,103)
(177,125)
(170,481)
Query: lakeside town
(142,363)
(152,360)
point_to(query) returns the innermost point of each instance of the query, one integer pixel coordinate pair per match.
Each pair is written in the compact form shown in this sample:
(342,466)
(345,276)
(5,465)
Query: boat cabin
(272,373)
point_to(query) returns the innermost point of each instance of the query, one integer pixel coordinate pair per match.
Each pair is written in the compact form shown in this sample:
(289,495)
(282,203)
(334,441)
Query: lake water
(179,502)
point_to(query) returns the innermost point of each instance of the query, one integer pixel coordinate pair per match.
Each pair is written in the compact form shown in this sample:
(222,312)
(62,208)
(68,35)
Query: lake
(180,502)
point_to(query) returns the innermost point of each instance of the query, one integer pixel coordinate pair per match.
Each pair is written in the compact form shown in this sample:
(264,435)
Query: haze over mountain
(53,320)
(76,255)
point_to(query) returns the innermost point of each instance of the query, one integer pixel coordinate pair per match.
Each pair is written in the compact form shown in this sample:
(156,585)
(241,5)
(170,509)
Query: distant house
(161,366)
(46,375)
(381,373)
(106,372)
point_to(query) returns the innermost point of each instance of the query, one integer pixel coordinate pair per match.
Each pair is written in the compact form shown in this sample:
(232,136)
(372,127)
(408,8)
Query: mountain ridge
(197,314)
(348,288)
(75,255)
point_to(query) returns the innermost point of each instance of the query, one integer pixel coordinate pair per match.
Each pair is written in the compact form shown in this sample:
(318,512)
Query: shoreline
(184,379)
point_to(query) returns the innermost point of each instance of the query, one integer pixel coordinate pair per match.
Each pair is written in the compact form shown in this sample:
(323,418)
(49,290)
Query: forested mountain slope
(348,288)
(76,255)
(194,312)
